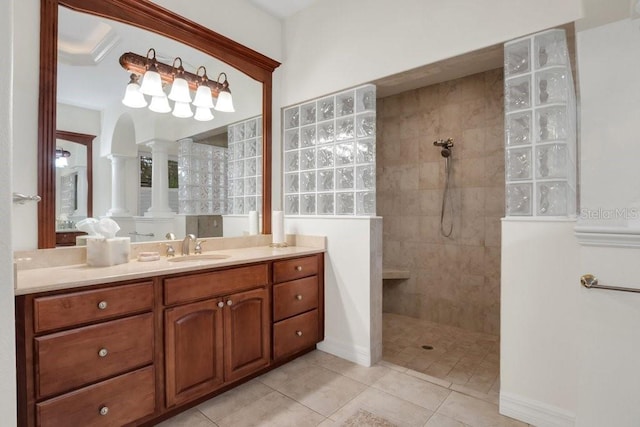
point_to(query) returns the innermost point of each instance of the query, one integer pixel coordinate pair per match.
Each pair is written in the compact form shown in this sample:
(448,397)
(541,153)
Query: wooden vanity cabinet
(83,355)
(136,352)
(298,305)
(220,339)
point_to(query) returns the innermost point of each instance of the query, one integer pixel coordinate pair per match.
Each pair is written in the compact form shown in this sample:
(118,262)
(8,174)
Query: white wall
(336,44)
(353,284)
(7,136)
(569,355)
(539,320)
(609,341)
(236,19)
(608,64)
(83,120)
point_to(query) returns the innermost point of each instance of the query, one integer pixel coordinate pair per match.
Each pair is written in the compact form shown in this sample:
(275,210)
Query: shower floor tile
(468,360)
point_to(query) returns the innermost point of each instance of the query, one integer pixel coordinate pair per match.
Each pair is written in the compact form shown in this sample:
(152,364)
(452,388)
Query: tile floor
(319,389)
(468,360)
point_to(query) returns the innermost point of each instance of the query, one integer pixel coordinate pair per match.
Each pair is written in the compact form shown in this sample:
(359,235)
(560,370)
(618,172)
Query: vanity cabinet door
(247,333)
(193,350)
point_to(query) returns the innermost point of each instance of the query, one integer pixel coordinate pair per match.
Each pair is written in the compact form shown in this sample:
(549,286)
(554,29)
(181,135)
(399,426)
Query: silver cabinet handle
(102,305)
(299,297)
(104,410)
(229,302)
(299,268)
(299,333)
(103,352)
(220,304)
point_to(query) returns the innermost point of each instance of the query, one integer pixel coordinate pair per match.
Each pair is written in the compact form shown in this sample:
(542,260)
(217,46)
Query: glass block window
(329,160)
(202,176)
(245,166)
(540,126)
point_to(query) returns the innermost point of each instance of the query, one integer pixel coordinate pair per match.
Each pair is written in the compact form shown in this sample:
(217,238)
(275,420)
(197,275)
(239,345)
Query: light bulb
(151,83)
(160,104)
(133,97)
(203,97)
(203,114)
(225,102)
(182,110)
(180,90)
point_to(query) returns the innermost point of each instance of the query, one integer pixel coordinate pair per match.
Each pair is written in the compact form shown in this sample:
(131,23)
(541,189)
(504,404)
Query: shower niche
(540,126)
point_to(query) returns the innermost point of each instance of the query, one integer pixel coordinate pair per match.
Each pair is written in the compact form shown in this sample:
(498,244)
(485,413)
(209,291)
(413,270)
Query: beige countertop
(77,275)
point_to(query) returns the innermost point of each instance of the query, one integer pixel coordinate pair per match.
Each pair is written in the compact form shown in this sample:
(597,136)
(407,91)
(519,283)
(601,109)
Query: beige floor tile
(475,412)
(487,397)
(363,374)
(393,366)
(284,374)
(190,418)
(438,420)
(381,404)
(412,389)
(320,389)
(234,400)
(425,377)
(273,410)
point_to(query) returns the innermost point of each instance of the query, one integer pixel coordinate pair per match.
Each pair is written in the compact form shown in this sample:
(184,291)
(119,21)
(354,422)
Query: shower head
(444,143)
(446,152)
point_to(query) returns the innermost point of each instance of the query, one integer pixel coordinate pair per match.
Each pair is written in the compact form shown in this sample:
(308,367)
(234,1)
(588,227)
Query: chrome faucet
(185,243)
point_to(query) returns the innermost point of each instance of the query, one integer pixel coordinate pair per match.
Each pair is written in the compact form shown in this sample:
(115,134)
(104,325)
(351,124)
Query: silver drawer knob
(220,304)
(229,302)
(102,305)
(103,352)
(104,410)
(299,297)
(299,268)
(299,333)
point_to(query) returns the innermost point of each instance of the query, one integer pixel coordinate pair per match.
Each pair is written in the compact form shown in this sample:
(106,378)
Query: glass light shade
(160,104)
(133,97)
(225,102)
(151,84)
(203,114)
(203,97)
(180,90)
(182,110)
(61,162)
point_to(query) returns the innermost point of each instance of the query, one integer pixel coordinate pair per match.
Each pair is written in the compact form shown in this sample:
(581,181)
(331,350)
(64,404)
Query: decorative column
(118,186)
(160,180)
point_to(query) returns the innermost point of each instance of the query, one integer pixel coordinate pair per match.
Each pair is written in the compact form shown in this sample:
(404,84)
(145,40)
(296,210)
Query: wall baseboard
(354,353)
(534,412)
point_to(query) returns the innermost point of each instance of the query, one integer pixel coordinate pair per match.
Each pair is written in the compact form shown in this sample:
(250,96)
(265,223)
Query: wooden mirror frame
(148,16)
(86,140)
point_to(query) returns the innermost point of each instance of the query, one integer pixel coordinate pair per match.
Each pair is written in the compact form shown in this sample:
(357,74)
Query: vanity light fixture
(155,73)
(61,157)
(151,80)
(133,97)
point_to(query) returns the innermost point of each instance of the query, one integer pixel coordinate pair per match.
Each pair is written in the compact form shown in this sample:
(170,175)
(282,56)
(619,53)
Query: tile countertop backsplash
(63,268)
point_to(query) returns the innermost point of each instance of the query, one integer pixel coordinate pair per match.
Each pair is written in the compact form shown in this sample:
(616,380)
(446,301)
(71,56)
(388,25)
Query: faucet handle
(170,251)
(170,236)
(198,247)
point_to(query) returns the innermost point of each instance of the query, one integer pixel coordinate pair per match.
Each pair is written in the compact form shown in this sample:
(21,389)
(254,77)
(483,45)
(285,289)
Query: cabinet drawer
(292,269)
(291,298)
(74,358)
(75,308)
(114,402)
(295,334)
(218,283)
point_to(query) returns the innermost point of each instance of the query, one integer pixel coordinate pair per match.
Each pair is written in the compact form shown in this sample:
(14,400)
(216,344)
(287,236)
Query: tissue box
(103,252)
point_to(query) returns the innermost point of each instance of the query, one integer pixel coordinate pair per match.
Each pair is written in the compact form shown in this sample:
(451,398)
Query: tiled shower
(455,280)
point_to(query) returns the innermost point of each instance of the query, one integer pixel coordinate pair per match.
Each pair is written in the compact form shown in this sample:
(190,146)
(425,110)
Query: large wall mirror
(83,83)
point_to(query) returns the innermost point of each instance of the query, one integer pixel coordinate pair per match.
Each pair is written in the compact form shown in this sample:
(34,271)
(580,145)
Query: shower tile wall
(454,280)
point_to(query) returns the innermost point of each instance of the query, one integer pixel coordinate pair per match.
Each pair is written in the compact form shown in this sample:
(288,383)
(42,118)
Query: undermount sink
(193,258)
